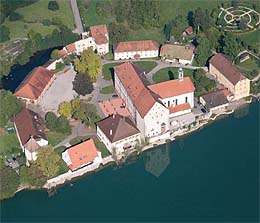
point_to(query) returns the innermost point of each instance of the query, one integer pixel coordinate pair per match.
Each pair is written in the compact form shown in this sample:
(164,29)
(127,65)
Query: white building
(150,116)
(97,38)
(177,53)
(81,155)
(118,133)
(177,95)
(30,132)
(136,50)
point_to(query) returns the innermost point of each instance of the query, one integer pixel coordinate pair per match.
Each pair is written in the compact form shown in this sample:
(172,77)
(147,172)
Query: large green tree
(203,52)
(83,84)
(201,19)
(47,161)
(90,63)
(230,45)
(10,105)
(9,182)
(37,179)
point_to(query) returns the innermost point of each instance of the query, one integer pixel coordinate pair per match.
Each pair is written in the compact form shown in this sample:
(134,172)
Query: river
(210,175)
(19,72)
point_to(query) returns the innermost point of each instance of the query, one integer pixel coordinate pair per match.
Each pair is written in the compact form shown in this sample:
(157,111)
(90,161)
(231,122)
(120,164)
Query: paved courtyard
(61,90)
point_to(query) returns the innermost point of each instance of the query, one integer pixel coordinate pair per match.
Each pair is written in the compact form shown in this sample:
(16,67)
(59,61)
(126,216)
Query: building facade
(136,50)
(228,74)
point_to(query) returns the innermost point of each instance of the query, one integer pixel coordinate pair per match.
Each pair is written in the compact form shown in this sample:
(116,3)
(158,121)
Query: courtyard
(61,90)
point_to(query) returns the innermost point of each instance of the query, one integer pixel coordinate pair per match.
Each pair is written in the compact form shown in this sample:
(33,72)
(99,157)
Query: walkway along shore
(68,176)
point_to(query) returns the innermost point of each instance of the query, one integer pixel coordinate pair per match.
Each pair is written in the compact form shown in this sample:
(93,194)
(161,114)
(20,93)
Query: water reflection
(242,111)
(157,160)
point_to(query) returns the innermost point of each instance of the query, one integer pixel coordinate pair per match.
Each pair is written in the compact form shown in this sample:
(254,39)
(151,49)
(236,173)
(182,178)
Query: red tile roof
(71,48)
(225,66)
(28,124)
(131,46)
(117,127)
(181,107)
(62,52)
(99,33)
(34,84)
(135,87)
(173,88)
(189,30)
(82,154)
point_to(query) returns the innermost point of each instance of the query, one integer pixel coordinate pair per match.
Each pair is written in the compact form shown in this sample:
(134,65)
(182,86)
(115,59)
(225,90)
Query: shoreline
(49,186)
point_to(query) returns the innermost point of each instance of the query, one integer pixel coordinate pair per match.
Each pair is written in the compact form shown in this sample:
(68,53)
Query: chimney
(110,132)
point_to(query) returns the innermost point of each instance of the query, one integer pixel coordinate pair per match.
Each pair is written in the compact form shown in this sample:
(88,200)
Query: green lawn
(250,37)
(170,73)
(147,66)
(55,137)
(101,147)
(108,90)
(108,71)
(248,66)
(9,145)
(35,13)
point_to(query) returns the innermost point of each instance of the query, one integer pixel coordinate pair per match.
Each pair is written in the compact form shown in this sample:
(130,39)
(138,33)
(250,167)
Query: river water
(210,175)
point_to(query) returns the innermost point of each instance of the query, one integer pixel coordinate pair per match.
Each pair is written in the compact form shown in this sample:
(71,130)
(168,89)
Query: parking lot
(60,90)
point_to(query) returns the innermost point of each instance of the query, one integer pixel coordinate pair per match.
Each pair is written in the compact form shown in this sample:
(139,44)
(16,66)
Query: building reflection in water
(157,160)
(242,111)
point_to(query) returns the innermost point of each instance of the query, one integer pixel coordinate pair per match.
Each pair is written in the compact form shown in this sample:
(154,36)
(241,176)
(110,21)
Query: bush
(4,34)
(14,16)
(55,54)
(51,120)
(46,22)
(53,6)
(83,84)
(59,66)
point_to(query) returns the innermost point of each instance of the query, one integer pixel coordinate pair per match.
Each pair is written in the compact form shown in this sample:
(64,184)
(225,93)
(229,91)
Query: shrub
(46,22)
(4,34)
(53,6)
(14,16)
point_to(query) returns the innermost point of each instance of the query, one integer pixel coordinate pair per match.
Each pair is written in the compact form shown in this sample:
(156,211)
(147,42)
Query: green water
(211,175)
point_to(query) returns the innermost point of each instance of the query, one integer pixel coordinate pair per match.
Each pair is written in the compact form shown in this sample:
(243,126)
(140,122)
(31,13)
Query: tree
(89,62)
(14,16)
(203,52)
(201,19)
(37,179)
(9,182)
(230,45)
(83,84)
(63,125)
(118,32)
(24,176)
(53,6)
(47,161)
(11,105)
(4,33)
(55,54)
(51,120)
(65,109)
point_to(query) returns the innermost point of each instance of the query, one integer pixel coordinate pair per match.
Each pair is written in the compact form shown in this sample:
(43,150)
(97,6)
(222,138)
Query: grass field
(248,66)
(55,137)
(35,13)
(147,66)
(108,71)
(9,145)
(101,147)
(170,73)
(108,90)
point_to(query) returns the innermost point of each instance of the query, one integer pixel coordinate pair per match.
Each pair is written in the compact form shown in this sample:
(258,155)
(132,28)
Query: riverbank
(201,123)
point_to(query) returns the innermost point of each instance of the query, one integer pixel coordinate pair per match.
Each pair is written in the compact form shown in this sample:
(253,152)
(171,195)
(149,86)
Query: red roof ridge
(137,45)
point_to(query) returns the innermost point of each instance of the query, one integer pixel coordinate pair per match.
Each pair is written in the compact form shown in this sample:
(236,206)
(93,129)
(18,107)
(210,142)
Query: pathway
(77,19)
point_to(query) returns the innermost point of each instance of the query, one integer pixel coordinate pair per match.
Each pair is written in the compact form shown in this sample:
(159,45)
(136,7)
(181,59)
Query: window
(186,99)
(168,103)
(176,101)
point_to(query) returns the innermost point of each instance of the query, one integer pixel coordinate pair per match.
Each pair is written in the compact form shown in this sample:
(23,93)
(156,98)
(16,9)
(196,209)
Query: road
(77,19)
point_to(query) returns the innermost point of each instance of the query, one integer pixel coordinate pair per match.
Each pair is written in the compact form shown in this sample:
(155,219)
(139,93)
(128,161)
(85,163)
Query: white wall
(30,155)
(131,54)
(181,99)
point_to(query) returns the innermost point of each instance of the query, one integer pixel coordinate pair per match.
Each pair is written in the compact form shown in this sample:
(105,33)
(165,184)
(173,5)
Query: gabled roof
(135,87)
(34,83)
(32,145)
(117,127)
(99,33)
(174,51)
(173,88)
(28,125)
(214,99)
(82,154)
(131,46)
(189,30)
(71,48)
(227,68)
